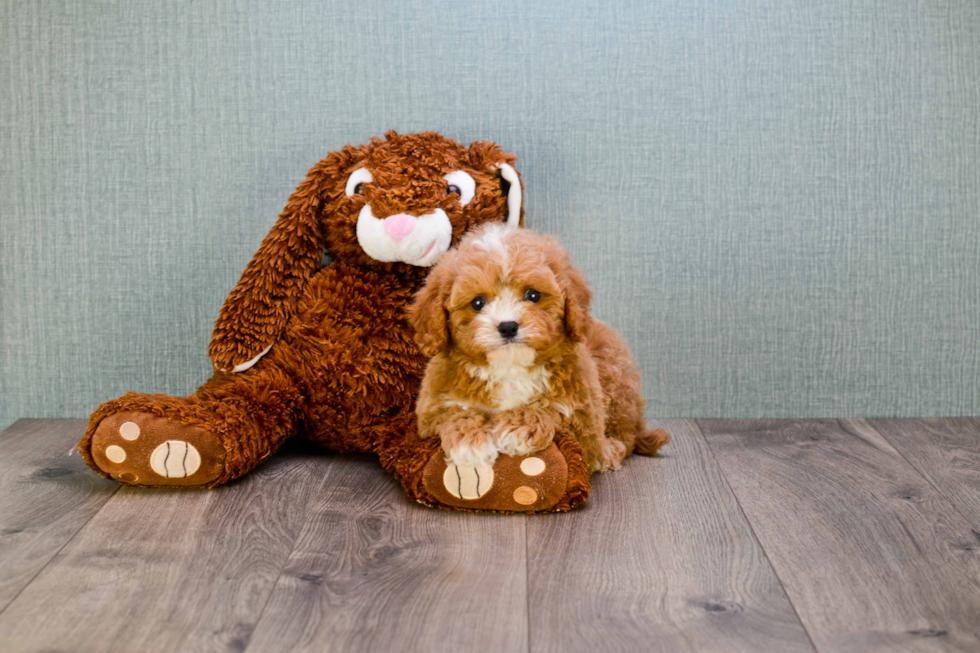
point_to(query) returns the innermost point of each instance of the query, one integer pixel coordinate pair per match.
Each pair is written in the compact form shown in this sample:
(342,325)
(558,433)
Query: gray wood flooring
(826,535)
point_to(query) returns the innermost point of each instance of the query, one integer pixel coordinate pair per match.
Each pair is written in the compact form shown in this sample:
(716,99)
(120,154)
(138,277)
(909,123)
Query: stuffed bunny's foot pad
(531,483)
(142,449)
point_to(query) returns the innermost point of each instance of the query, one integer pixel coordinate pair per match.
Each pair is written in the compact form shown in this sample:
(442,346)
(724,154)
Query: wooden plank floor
(827,535)
(869,552)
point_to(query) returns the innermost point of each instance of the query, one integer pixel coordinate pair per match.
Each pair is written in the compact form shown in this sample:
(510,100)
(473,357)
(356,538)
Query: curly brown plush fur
(324,353)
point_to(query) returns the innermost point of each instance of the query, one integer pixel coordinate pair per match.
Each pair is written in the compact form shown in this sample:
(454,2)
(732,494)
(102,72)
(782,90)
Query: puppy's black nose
(507,329)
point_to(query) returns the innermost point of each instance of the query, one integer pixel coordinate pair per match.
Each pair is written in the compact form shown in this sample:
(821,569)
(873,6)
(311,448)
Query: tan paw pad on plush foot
(514,483)
(142,449)
(467,482)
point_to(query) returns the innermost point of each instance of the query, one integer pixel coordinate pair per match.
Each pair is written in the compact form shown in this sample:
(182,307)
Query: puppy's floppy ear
(488,156)
(578,297)
(258,308)
(428,314)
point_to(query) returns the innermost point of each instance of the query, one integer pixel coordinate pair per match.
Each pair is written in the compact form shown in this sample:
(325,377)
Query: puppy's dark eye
(478,304)
(359,189)
(532,295)
(453,189)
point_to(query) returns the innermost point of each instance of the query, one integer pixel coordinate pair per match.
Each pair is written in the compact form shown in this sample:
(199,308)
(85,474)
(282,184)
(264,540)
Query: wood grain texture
(374,572)
(869,552)
(947,452)
(321,552)
(46,496)
(660,558)
(169,569)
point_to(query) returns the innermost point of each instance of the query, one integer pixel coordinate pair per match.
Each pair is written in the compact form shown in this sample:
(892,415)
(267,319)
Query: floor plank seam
(58,552)
(282,568)
(755,536)
(950,500)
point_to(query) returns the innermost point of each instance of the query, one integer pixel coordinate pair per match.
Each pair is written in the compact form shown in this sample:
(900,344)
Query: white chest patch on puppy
(512,377)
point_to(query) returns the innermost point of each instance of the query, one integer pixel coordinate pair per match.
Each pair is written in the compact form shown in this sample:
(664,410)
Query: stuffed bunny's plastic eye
(356,181)
(463,184)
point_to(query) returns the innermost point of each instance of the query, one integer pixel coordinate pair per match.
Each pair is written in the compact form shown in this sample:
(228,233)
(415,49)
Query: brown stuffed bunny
(326,353)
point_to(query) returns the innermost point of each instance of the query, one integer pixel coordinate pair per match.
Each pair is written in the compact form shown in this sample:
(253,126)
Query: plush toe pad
(467,482)
(514,483)
(142,449)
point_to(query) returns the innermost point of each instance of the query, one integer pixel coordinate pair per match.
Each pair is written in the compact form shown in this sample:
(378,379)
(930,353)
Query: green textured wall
(778,203)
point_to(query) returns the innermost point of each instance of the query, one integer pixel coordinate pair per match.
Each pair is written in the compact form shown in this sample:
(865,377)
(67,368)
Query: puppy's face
(503,297)
(502,289)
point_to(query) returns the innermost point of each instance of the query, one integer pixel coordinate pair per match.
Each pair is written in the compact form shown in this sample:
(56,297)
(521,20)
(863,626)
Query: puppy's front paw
(520,435)
(472,452)
(514,441)
(467,443)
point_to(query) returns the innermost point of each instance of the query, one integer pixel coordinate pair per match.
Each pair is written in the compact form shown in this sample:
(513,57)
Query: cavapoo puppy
(515,356)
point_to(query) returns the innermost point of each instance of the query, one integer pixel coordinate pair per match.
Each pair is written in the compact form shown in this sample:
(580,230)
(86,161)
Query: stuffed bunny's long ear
(514,194)
(258,308)
(488,157)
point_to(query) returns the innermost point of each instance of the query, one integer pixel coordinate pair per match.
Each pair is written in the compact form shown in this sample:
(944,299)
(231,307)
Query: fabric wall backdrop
(777,203)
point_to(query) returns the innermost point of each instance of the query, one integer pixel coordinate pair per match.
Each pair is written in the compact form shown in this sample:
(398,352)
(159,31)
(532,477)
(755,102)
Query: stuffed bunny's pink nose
(400,225)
